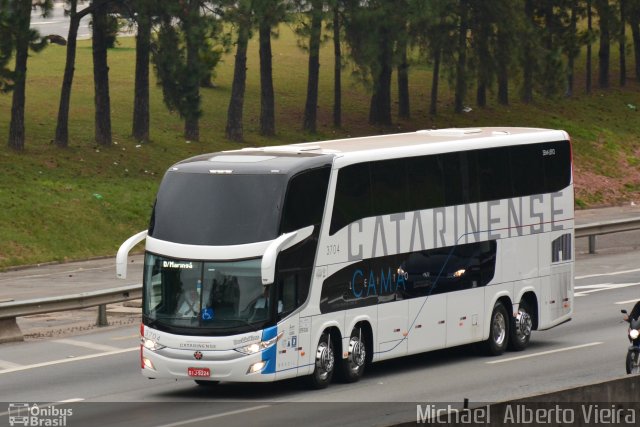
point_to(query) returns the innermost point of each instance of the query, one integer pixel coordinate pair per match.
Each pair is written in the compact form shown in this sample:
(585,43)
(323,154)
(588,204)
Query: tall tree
(404,105)
(572,45)
(528,54)
(62,125)
(269,14)
(590,36)
(604,53)
(102,99)
(242,17)
(633,13)
(24,39)
(177,59)
(461,62)
(141,116)
(6,46)
(310,27)
(337,65)
(372,32)
(622,42)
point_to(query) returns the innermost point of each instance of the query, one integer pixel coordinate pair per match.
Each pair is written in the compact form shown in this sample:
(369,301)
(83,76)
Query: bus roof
(290,159)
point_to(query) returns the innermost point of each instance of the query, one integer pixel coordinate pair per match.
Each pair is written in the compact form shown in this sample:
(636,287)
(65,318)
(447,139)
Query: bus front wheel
(498,339)
(352,368)
(324,363)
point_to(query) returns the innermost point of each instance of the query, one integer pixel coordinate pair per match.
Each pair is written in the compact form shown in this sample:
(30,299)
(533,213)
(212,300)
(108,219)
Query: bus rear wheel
(498,339)
(352,368)
(324,363)
(521,327)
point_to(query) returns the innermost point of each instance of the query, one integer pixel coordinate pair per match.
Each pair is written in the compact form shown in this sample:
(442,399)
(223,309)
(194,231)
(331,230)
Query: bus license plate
(198,372)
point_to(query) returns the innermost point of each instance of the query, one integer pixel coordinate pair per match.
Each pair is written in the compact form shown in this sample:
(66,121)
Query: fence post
(592,244)
(102,316)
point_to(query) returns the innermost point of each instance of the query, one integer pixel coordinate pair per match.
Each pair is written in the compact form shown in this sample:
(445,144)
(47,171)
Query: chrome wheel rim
(357,354)
(324,361)
(499,328)
(524,325)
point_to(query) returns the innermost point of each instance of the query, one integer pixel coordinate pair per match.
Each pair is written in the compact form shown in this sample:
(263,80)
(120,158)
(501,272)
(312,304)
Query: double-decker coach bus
(315,259)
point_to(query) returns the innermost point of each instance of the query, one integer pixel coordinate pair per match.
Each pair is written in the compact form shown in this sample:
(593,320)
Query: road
(58,24)
(97,374)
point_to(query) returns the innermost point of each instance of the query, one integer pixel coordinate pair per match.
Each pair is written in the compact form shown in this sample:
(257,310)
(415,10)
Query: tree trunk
(634,21)
(573,49)
(16,127)
(192,114)
(267,102)
(140,128)
(380,107)
(433,105)
(234,129)
(62,126)
(528,59)
(461,66)
(503,68)
(590,31)
(337,69)
(311,105)
(101,76)
(605,42)
(622,42)
(404,109)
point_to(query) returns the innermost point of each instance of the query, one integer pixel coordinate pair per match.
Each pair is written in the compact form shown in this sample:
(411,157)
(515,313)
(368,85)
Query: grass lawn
(58,205)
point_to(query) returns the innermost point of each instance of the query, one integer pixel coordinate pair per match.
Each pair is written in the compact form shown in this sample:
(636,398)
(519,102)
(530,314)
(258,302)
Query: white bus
(312,259)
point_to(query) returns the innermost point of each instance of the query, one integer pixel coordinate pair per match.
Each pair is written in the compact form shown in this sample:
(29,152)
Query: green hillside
(58,205)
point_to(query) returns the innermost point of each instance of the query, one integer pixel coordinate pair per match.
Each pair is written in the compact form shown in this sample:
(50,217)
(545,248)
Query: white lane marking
(543,353)
(74,400)
(89,345)
(61,361)
(211,417)
(615,273)
(128,337)
(631,301)
(5,364)
(602,287)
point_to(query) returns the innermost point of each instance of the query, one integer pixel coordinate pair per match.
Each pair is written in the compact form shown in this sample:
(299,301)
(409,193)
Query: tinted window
(426,182)
(453,186)
(556,158)
(493,174)
(389,187)
(527,170)
(304,203)
(207,209)
(353,196)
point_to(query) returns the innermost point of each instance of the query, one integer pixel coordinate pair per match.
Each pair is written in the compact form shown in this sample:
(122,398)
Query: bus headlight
(262,345)
(634,333)
(151,344)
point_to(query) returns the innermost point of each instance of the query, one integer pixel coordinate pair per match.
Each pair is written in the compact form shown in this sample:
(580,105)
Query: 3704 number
(333,249)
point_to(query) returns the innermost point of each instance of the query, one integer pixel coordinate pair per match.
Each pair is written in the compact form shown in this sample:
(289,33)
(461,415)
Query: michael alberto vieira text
(522,414)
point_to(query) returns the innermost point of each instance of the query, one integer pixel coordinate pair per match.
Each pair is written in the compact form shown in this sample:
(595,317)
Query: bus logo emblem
(197,355)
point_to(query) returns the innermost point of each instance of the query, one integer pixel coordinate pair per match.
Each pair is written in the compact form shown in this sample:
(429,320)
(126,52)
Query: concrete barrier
(613,402)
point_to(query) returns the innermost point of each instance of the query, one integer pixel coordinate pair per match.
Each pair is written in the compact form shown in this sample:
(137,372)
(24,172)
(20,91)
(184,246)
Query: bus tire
(521,328)
(324,363)
(498,339)
(205,383)
(352,368)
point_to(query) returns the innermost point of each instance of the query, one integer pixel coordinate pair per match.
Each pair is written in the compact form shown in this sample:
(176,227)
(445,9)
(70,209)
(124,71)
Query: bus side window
(353,196)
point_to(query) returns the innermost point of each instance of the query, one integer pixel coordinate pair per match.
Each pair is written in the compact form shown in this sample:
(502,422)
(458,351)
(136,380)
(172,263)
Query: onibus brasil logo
(25,414)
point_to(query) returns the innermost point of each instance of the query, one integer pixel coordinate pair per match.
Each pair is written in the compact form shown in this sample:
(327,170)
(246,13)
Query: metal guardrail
(605,227)
(9,311)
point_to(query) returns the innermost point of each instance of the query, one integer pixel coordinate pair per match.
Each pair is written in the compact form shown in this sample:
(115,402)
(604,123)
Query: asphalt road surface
(57,23)
(97,375)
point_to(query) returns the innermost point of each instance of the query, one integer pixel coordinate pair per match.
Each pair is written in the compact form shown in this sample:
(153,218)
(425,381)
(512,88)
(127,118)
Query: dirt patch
(598,190)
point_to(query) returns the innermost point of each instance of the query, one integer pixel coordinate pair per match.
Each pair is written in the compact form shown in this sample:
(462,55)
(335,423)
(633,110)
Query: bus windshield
(213,296)
(218,210)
